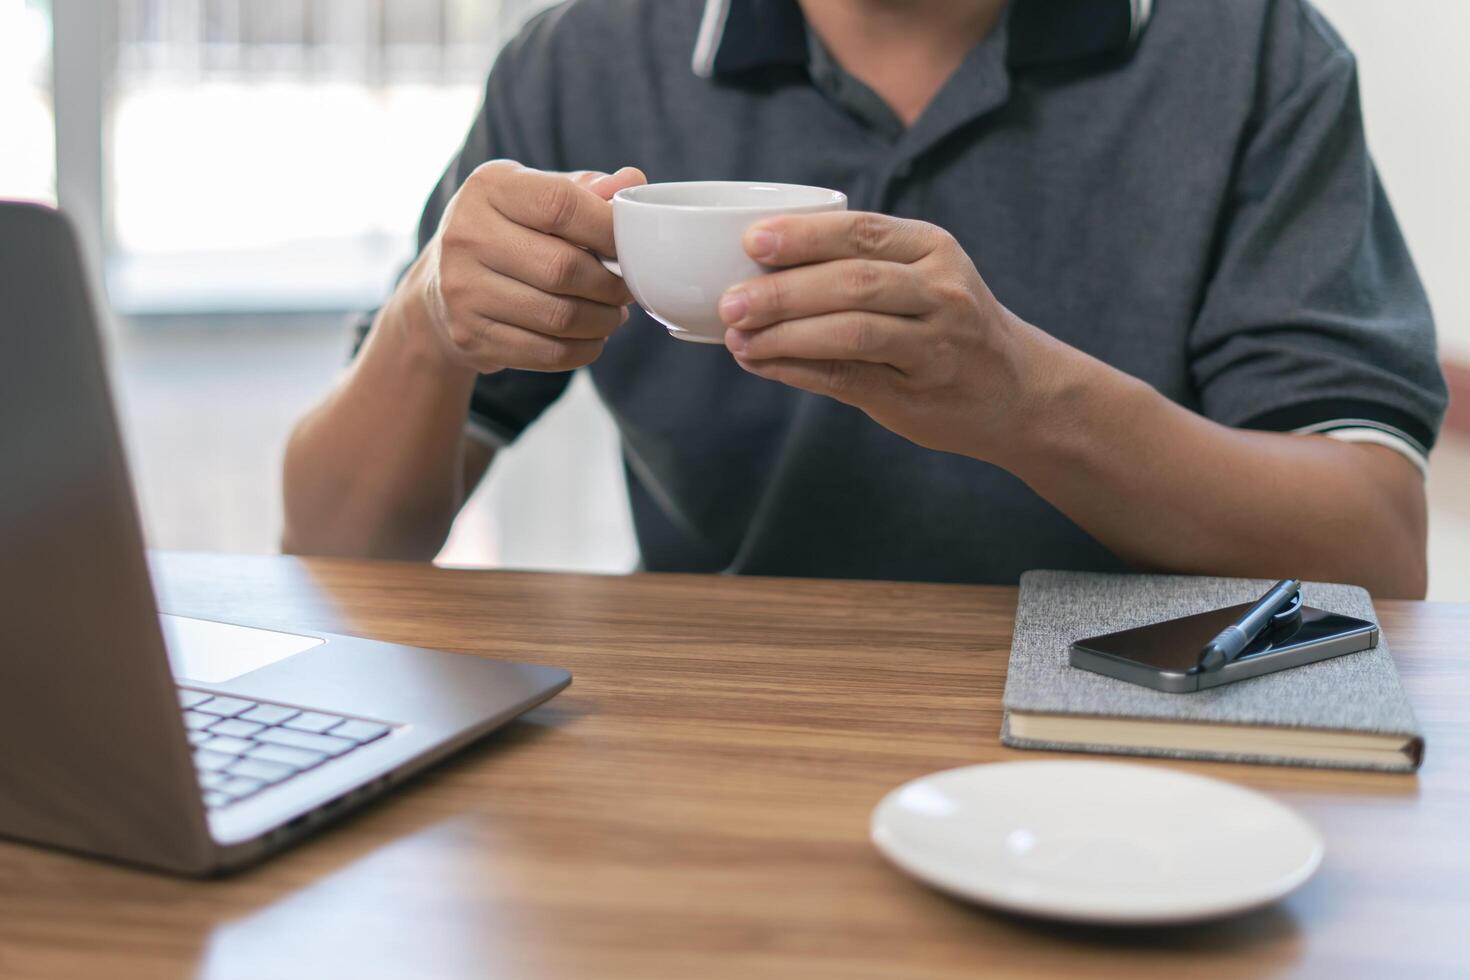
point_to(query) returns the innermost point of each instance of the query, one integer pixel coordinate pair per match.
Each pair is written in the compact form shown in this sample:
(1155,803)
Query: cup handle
(611,265)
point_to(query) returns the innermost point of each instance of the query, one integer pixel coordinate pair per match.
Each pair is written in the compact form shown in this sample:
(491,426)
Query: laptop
(179,744)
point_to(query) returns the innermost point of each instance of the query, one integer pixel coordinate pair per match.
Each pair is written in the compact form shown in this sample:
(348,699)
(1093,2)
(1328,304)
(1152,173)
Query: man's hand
(888,315)
(891,316)
(381,467)
(508,281)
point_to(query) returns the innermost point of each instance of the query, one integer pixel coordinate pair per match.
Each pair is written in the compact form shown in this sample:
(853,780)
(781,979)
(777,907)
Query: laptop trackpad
(212,653)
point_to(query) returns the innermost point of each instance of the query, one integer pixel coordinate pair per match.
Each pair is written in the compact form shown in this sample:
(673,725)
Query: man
(1116,291)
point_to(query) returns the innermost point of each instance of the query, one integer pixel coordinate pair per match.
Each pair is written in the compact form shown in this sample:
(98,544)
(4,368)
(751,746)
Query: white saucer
(1100,842)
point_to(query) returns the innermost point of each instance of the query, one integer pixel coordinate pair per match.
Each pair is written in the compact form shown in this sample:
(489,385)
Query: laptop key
(241,787)
(228,745)
(223,706)
(313,721)
(187,699)
(325,744)
(235,727)
(212,779)
(256,768)
(269,714)
(360,731)
(286,755)
(194,720)
(216,798)
(207,760)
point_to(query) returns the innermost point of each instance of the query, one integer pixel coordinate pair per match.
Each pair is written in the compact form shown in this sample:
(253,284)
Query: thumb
(606,185)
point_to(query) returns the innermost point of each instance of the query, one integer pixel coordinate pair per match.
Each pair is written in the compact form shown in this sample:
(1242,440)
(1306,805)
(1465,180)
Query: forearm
(1167,489)
(376,469)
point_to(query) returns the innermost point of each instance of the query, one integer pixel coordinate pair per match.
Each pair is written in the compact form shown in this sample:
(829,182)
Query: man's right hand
(510,278)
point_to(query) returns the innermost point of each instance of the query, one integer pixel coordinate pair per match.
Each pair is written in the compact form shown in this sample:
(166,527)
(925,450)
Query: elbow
(1410,581)
(1395,559)
(1380,560)
(388,544)
(1408,578)
(336,504)
(323,518)
(293,543)
(1387,532)
(296,536)
(313,506)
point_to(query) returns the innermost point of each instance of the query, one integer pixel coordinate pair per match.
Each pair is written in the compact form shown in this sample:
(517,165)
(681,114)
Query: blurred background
(246,173)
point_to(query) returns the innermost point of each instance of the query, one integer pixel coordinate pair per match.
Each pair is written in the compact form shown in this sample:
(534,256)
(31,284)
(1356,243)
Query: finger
(827,287)
(551,203)
(585,178)
(483,340)
(875,338)
(547,263)
(853,382)
(797,239)
(502,298)
(609,184)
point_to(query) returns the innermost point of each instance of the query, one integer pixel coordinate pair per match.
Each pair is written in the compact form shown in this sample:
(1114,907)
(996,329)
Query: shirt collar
(741,35)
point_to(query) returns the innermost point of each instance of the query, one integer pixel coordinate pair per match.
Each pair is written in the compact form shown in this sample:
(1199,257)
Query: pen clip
(1288,617)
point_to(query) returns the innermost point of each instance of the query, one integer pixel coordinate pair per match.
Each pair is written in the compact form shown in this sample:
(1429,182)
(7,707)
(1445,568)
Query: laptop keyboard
(242,746)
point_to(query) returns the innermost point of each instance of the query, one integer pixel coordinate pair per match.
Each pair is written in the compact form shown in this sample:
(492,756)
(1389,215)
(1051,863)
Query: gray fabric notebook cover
(1357,692)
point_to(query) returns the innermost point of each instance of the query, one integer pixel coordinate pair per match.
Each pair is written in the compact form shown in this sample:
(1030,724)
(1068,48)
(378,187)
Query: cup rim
(628,195)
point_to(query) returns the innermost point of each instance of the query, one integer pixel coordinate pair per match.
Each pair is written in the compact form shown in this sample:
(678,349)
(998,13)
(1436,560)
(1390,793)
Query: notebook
(1347,712)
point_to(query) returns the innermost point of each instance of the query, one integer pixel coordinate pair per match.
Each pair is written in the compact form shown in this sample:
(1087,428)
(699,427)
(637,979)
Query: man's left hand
(890,316)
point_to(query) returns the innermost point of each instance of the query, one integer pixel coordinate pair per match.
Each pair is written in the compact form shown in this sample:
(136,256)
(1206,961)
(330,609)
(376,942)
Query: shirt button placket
(885,188)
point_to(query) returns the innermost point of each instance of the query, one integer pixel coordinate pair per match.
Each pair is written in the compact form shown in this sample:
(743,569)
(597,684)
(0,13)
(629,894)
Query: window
(275,154)
(28,151)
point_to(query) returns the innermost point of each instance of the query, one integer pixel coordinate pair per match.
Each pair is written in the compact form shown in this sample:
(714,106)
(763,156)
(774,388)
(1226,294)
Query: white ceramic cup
(679,244)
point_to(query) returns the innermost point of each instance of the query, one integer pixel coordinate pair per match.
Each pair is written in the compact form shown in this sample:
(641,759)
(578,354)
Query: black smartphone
(1165,656)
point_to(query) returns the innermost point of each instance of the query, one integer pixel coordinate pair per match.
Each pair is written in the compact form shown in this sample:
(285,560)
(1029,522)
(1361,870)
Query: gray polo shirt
(1185,196)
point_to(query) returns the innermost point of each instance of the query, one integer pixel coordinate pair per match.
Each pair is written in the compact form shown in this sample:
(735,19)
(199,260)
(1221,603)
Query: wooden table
(696,804)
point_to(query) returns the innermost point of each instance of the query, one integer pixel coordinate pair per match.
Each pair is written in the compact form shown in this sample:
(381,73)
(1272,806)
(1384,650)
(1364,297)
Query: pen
(1233,639)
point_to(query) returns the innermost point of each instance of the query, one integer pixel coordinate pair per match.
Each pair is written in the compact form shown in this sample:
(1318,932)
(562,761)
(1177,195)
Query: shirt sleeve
(1314,319)
(513,122)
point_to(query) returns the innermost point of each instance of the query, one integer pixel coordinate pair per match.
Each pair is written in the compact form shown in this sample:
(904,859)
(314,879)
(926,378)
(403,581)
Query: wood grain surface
(696,804)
